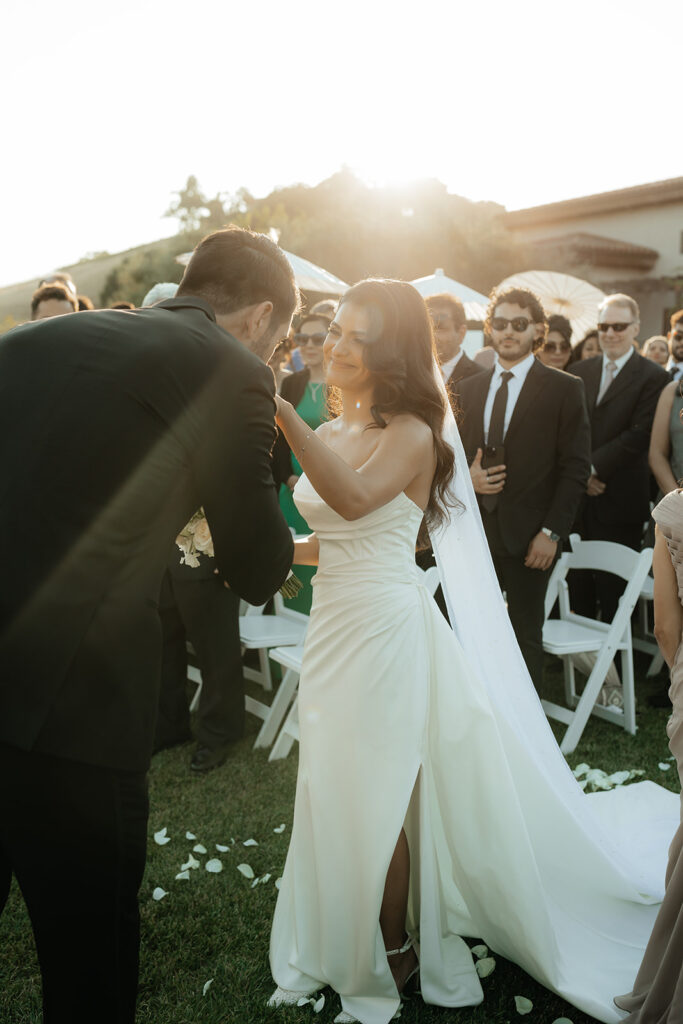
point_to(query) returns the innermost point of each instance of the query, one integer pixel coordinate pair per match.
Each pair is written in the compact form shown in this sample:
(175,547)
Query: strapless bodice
(381,544)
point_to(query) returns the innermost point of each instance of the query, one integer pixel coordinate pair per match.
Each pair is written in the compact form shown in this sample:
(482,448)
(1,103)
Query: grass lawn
(216,926)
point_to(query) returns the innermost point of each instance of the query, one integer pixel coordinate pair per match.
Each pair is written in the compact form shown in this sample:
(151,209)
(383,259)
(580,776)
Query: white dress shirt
(620,362)
(515,384)
(447,368)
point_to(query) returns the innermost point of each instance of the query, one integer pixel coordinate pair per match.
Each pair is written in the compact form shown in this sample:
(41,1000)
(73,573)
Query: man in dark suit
(526,434)
(450,327)
(675,339)
(114,428)
(622,389)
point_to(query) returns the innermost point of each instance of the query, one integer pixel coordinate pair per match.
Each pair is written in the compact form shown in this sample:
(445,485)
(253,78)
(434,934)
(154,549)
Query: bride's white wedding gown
(397,729)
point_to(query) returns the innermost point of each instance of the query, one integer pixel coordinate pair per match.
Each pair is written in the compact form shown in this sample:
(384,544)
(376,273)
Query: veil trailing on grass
(600,858)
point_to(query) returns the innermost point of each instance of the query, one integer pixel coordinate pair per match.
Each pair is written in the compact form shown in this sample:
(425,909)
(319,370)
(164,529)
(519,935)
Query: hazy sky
(105,114)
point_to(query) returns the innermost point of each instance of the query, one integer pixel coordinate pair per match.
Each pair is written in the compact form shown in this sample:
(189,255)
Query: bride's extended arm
(306,550)
(405,450)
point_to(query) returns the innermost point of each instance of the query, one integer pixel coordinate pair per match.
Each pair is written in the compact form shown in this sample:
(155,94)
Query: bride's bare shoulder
(404,426)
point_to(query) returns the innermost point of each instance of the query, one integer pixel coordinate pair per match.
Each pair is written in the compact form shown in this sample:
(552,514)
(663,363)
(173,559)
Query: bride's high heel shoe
(285,997)
(348,1018)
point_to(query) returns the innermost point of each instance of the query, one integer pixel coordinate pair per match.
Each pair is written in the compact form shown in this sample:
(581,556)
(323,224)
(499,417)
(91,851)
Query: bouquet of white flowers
(194,540)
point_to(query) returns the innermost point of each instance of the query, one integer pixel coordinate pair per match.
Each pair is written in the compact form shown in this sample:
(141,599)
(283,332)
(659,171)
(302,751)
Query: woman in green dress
(306,392)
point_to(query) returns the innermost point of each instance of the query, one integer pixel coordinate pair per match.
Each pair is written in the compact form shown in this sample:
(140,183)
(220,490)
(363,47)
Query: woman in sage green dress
(666,441)
(305,390)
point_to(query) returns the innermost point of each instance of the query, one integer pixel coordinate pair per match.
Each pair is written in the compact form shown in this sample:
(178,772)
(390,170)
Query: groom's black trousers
(74,835)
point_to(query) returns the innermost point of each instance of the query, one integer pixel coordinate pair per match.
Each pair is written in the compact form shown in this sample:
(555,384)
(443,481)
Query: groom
(114,428)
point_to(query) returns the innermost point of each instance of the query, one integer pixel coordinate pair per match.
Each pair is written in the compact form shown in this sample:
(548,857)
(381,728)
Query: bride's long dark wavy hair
(401,358)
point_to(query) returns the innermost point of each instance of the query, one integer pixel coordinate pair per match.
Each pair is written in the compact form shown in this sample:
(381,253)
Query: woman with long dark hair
(431,795)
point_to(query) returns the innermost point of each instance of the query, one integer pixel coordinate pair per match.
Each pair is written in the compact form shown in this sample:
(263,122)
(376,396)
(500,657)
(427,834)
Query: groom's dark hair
(234,268)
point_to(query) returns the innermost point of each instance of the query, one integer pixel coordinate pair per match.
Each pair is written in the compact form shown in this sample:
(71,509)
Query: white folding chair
(290,658)
(573,634)
(258,632)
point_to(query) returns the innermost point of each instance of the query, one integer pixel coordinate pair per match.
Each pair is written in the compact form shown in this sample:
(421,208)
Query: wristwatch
(550,534)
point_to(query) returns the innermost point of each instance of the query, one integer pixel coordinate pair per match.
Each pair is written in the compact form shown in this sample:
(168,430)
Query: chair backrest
(280,608)
(603,556)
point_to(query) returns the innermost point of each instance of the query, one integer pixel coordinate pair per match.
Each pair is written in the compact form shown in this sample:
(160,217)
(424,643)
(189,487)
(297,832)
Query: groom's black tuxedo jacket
(114,428)
(620,435)
(547,451)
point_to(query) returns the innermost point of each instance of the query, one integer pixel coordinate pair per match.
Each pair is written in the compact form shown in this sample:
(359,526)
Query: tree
(189,207)
(137,272)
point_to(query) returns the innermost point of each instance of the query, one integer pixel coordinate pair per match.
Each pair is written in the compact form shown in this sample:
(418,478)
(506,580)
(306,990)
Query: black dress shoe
(206,758)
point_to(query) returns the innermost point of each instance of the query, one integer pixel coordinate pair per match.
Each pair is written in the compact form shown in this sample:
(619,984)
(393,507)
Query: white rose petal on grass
(562,1020)
(523,1005)
(159,893)
(664,766)
(246,870)
(207,986)
(580,770)
(618,778)
(278,883)
(199,848)
(190,835)
(182,876)
(479,951)
(485,966)
(280,828)
(214,866)
(161,838)
(191,862)
(249,842)
(264,879)
(318,1005)
(222,849)
(304,1001)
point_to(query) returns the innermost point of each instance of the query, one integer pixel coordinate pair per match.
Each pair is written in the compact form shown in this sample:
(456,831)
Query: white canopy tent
(574,298)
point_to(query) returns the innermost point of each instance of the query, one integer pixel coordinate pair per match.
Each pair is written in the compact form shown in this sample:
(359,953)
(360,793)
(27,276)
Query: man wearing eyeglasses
(526,434)
(622,389)
(675,338)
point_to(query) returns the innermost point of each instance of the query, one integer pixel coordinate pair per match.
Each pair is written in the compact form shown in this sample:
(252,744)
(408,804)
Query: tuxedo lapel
(531,387)
(591,380)
(473,408)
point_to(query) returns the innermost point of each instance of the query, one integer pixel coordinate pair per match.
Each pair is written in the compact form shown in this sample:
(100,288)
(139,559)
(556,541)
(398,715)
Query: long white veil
(621,836)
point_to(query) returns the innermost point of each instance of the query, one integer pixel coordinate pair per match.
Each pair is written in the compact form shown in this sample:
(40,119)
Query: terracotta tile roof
(600,251)
(655,193)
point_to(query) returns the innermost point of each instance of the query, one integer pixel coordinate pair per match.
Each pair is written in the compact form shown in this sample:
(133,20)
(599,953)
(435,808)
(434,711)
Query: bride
(432,799)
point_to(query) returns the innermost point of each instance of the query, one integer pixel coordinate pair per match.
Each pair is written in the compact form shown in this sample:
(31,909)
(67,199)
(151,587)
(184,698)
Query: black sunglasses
(619,328)
(518,323)
(303,339)
(556,346)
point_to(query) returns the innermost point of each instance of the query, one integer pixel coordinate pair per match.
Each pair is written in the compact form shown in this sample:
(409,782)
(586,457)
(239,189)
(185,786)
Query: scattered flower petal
(214,866)
(190,835)
(246,870)
(159,893)
(207,986)
(161,838)
(523,1005)
(278,883)
(222,849)
(280,828)
(191,862)
(182,875)
(255,883)
(264,879)
(580,770)
(317,1006)
(485,966)
(304,1001)
(619,778)
(479,951)
(249,842)
(199,848)
(664,766)
(562,1020)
